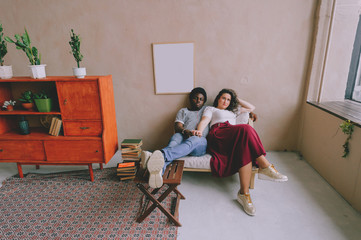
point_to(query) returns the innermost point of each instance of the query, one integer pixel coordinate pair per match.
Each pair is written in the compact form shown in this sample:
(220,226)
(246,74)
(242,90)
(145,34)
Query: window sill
(346,110)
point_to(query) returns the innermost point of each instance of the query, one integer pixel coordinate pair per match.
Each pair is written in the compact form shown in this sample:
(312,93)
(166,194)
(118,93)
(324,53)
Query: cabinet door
(22,150)
(74,151)
(79,100)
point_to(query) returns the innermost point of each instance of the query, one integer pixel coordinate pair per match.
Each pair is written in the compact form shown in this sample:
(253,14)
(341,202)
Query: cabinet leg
(37,166)
(20,170)
(101,166)
(91,172)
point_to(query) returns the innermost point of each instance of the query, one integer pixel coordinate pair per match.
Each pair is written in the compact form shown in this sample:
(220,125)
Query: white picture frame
(173,66)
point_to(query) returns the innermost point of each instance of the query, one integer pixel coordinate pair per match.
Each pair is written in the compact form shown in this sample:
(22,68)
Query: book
(131,143)
(128,164)
(127,178)
(126,174)
(57,127)
(126,169)
(52,124)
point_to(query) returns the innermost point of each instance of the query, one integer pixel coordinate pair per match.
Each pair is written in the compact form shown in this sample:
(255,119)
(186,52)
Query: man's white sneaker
(155,167)
(246,202)
(270,173)
(144,157)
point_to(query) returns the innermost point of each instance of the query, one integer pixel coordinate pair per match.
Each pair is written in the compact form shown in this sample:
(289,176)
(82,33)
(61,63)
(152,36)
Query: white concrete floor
(305,207)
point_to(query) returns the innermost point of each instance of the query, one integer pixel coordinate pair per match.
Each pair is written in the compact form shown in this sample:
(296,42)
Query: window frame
(355,66)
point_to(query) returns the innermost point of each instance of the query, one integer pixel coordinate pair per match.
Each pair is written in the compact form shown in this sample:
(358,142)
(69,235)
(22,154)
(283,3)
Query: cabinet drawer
(82,128)
(22,150)
(71,151)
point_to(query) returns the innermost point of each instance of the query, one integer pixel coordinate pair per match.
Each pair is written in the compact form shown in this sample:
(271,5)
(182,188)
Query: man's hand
(187,133)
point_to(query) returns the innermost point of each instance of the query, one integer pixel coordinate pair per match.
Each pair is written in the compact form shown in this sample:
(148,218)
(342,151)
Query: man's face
(197,101)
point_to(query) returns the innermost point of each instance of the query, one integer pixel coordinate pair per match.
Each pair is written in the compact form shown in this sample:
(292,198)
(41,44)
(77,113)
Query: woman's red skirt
(232,147)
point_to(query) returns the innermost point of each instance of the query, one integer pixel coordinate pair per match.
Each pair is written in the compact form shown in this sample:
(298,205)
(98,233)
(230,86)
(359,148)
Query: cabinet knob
(1,150)
(65,101)
(96,151)
(84,128)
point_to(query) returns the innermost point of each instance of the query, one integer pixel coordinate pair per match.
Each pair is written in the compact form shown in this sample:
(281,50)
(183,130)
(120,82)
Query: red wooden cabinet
(86,107)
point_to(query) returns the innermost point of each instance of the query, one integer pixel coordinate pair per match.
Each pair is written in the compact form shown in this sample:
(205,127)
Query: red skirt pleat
(232,147)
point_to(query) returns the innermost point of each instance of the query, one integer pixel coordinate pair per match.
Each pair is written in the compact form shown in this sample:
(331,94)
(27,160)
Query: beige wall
(259,48)
(322,147)
(321,139)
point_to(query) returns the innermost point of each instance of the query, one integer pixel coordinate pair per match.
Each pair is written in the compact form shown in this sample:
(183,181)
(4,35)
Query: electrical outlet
(244,80)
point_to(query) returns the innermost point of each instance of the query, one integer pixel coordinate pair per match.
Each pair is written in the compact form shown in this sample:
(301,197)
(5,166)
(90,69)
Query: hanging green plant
(347,128)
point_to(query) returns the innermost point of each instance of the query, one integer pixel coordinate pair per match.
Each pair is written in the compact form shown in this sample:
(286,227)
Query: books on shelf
(126,171)
(55,126)
(131,150)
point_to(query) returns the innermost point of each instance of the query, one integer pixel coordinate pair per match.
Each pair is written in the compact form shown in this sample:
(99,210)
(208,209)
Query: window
(356,93)
(353,90)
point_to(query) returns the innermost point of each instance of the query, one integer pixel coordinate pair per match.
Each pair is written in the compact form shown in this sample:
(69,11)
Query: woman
(235,147)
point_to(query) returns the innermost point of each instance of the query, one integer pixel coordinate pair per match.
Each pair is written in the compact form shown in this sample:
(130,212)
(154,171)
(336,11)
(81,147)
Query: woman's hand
(197,133)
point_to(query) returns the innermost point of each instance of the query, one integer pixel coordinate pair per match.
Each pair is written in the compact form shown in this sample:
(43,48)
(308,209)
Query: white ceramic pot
(38,71)
(79,72)
(6,72)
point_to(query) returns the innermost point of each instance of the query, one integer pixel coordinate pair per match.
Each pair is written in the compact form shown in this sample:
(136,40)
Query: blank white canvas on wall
(173,65)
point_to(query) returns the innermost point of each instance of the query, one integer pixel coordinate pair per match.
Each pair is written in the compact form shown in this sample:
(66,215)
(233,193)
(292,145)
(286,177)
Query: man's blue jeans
(180,147)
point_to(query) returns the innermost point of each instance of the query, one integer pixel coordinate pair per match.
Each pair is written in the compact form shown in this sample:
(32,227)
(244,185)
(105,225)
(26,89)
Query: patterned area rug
(69,206)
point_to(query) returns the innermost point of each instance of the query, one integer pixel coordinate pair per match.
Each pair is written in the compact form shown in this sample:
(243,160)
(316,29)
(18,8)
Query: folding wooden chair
(172,177)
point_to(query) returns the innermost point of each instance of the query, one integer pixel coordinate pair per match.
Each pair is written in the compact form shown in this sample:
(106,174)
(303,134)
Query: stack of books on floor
(131,150)
(55,126)
(126,171)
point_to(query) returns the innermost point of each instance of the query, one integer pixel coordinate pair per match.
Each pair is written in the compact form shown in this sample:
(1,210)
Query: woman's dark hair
(233,105)
(198,90)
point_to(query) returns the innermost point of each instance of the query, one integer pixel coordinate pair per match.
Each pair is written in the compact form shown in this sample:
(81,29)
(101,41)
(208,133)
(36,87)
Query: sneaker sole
(155,166)
(240,202)
(265,177)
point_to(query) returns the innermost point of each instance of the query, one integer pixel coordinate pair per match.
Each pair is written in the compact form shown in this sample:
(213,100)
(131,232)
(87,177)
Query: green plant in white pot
(42,101)
(5,71)
(74,43)
(23,42)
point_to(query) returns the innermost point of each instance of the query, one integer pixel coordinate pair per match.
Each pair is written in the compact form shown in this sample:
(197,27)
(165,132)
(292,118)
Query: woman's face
(224,101)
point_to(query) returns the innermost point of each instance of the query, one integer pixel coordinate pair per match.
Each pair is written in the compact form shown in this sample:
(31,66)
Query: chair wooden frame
(172,177)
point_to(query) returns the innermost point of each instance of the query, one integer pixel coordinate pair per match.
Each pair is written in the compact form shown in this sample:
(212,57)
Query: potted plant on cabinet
(26,100)
(5,71)
(9,105)
(79,72)
(42,101)
(23,42)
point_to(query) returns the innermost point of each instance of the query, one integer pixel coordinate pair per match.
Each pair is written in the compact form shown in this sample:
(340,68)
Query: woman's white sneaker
(144,157)
(155,167)
(246,202)
(270,173)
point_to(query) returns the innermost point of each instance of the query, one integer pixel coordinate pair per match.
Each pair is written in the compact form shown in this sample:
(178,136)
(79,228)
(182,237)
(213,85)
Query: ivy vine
(347,128)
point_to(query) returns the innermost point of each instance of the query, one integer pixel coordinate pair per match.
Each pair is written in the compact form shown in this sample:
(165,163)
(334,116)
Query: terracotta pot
(28,106)
(10,108)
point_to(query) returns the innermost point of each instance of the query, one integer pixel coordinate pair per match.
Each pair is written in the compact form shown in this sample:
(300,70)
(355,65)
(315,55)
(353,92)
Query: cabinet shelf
(25,112)
(40,134)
